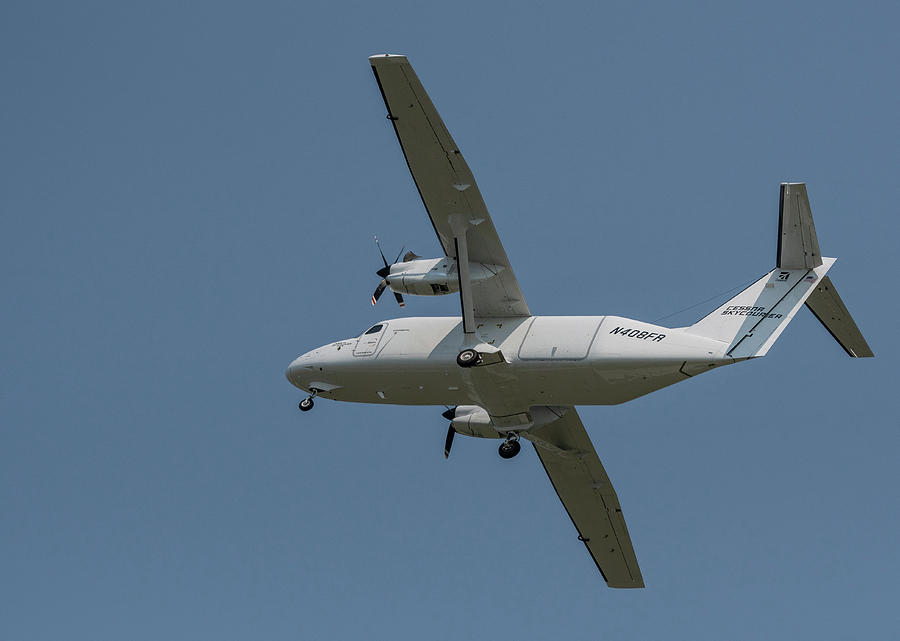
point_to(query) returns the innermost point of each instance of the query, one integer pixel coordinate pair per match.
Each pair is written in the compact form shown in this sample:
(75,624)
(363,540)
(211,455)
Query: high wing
(447,186)
(568,456)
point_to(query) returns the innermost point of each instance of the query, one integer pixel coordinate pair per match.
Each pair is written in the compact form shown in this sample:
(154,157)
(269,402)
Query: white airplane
(509,374)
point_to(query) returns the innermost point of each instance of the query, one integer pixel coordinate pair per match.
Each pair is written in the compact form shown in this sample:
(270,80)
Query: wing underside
(571,462)
(446,184)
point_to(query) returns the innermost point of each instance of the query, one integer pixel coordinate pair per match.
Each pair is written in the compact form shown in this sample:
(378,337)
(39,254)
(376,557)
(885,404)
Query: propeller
(384,272)
(449,415)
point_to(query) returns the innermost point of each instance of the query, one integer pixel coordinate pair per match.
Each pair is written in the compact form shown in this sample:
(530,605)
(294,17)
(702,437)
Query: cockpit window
(373,330)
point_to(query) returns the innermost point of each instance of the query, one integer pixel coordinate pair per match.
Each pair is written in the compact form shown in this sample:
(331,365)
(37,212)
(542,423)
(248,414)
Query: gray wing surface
(568,456)
(828,307)
(446,183)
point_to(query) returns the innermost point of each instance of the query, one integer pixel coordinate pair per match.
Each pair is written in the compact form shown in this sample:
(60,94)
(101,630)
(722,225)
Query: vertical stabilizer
(751,321)
(798,245)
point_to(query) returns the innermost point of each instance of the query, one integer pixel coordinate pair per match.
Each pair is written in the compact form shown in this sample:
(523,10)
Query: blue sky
(189,194)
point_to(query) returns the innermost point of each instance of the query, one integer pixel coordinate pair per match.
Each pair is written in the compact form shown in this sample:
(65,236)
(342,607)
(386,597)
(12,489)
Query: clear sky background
(189,193)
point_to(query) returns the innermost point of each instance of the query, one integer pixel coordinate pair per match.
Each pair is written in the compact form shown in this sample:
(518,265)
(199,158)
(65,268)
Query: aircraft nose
(297,369)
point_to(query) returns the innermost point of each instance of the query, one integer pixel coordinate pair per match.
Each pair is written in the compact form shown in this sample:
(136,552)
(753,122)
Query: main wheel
(306,404)
(509,449)
(467,358)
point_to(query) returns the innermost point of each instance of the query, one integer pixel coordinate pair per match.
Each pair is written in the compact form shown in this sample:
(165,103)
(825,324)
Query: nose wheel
(510,447)
(307,403)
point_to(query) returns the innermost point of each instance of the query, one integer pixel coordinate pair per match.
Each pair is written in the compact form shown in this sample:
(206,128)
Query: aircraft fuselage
(542,360)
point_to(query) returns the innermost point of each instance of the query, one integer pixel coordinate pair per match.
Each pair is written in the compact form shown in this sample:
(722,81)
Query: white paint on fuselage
(588,360)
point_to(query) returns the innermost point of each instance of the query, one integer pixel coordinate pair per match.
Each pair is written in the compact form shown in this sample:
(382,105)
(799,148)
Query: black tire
(467,358)
(509,449)
(306,404)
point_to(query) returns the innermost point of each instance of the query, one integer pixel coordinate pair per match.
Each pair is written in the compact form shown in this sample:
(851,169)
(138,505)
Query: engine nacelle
(435,276)
(472,420)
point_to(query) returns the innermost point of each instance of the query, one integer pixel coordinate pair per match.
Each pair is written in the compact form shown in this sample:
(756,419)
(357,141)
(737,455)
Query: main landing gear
(510,447)
(468,358)
(307,403)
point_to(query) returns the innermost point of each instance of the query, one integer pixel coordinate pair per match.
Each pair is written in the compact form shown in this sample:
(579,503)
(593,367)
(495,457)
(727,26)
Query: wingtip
(387,57)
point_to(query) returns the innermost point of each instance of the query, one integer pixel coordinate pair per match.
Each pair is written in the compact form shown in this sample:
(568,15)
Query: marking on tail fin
(750,322)
(767,315)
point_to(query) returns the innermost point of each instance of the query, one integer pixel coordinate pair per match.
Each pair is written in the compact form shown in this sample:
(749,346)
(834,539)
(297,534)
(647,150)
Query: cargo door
(559,338)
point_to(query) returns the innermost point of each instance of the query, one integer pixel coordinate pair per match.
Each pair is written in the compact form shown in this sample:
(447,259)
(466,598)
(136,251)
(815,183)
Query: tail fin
(798,245)
(754,319)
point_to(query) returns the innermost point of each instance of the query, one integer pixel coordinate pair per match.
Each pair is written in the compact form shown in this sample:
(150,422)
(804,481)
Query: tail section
(754,319)
(751,321)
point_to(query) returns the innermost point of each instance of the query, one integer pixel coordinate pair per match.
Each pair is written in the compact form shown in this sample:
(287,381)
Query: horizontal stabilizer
(798,245)
(828,307)
(754,319)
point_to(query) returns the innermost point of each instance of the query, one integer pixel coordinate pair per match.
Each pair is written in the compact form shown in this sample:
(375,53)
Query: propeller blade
(384,272)
(380,251)
(378,291)
(449,442)
(450,414)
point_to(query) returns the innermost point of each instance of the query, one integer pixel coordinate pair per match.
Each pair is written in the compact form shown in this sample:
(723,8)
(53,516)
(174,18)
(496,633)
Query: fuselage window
(373,330)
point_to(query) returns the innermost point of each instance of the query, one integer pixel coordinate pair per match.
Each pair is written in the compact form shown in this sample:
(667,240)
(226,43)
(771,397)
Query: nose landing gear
(307,403)
(510,447)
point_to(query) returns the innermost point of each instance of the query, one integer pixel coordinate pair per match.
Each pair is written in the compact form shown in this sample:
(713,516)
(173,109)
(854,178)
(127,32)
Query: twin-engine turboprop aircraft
(509,374)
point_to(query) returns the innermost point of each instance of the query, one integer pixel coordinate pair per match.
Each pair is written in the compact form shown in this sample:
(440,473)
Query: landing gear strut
(307,403)
(510,447)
